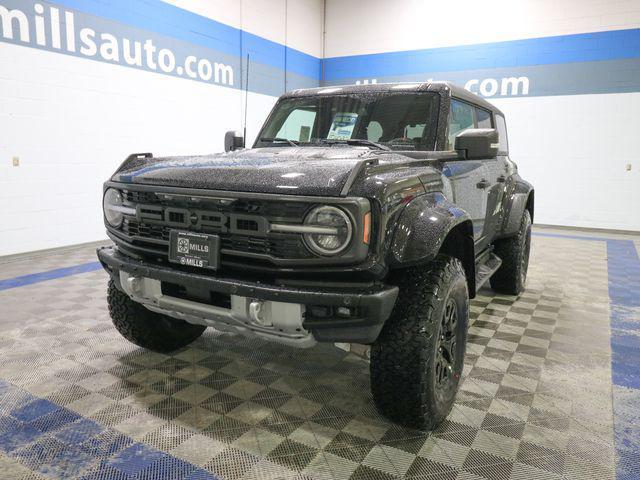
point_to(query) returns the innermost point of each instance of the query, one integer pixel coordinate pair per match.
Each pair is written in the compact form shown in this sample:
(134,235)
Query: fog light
(135,284)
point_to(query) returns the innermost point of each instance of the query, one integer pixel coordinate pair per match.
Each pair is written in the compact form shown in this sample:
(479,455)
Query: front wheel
(417,361)
(148,329)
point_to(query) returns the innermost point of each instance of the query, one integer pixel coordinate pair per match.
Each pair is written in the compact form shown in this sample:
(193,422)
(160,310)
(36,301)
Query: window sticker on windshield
(342,126)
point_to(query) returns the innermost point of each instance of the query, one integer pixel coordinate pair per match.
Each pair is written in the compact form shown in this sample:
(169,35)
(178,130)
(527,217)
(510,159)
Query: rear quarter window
(502,133)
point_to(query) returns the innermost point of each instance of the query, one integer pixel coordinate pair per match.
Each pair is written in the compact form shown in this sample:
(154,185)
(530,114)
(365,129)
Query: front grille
(152,229)
(134,229)
(140,197)
(276,245)
(266,208)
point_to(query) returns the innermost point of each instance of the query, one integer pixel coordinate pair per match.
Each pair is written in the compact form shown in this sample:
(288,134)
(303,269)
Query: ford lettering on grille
(184,218)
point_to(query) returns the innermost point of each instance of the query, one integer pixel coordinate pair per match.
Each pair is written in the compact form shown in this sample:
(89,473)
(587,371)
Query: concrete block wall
(76,97)
(73,105)
(565,72)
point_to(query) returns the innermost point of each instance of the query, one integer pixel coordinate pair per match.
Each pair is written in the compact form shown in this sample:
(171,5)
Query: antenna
(246,103)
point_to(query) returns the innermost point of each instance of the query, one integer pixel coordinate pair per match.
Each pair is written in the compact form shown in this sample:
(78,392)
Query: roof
(455,91)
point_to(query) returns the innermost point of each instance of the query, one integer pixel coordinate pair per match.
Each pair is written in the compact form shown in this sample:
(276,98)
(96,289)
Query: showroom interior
(549,387)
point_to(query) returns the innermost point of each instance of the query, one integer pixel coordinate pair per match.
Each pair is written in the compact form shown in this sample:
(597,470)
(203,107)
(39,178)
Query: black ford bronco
(362,215)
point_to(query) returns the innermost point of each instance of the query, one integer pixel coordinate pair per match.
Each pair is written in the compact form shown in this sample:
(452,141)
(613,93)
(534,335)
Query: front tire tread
(148,329)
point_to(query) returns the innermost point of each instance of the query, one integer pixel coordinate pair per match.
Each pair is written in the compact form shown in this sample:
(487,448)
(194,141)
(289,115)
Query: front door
(469,178)
(497,172)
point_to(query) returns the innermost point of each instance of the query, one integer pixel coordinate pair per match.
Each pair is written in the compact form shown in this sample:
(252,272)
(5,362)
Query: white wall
(72,121)
(267,19)
(575,149)
(385,26)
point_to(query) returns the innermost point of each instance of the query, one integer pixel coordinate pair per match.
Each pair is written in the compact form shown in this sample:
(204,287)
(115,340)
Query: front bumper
(372,306)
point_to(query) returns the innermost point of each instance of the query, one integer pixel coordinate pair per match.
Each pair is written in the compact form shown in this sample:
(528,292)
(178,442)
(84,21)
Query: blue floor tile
(106,444)
(628,465)
(69,463)
(78,431)
(39,453)
(624,374)
(16,436)
(55,420)
(33,410)
(104,472)
(4,386)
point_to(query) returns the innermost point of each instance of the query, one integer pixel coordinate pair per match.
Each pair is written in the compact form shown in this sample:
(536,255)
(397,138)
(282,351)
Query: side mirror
(232,141)
(477,143)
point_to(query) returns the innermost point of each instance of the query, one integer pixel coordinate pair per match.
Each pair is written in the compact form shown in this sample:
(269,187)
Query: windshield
(398,121)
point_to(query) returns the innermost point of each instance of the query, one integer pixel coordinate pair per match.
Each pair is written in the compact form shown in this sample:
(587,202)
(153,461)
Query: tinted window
(401,121)
(298,124)
(483,118)
(502,133)
(464,115)
(460,118)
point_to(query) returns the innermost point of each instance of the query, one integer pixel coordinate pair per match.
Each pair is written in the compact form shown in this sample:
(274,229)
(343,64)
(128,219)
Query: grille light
(328,217)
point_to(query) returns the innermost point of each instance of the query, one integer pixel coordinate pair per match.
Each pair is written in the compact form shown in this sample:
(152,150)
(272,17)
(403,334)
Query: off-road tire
(514,253)
(403,358)
(148,329)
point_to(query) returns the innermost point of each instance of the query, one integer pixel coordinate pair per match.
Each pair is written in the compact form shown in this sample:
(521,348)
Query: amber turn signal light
(367,228)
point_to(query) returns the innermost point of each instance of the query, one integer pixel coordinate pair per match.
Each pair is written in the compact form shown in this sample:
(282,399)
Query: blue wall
(183,33)
(600,62)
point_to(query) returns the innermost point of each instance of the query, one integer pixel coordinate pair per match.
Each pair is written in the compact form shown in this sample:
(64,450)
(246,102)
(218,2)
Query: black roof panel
(455,91)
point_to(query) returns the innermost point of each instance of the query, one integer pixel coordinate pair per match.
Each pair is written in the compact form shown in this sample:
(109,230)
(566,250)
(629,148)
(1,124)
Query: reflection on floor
(78,401)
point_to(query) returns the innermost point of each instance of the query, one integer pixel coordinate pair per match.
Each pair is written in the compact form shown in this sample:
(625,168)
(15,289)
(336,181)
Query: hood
(284,170)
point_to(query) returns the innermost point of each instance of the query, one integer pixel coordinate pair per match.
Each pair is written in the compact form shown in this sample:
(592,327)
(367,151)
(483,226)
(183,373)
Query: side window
(502,133)
(483,118)
(460,118)
(298,125)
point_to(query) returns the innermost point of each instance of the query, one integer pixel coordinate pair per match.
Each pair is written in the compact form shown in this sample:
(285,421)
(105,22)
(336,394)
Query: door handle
(482,184)
(501,179)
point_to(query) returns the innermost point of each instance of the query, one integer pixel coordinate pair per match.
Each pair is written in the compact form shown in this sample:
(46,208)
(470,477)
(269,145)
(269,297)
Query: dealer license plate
(194,249)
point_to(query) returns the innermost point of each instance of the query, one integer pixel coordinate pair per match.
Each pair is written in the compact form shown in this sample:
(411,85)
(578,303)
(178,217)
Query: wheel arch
(530,203)
(430,225)
(519,198)
(459,244)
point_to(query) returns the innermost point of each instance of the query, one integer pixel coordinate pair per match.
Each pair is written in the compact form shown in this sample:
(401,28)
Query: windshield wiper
(354,141)
(278,139)
(369,143)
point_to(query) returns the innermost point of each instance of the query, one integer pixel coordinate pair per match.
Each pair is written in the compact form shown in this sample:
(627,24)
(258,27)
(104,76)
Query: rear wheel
(514,253)
(148,329)
(417,361)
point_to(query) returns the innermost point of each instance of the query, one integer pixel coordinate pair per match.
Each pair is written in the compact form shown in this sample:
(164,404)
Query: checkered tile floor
(534,403)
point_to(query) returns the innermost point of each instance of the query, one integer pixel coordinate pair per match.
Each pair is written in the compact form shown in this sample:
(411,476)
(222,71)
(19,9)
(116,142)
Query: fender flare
(422,228)
(521,197)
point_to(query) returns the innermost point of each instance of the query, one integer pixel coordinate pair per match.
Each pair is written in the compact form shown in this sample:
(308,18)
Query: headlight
(333,230)
(112,207)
